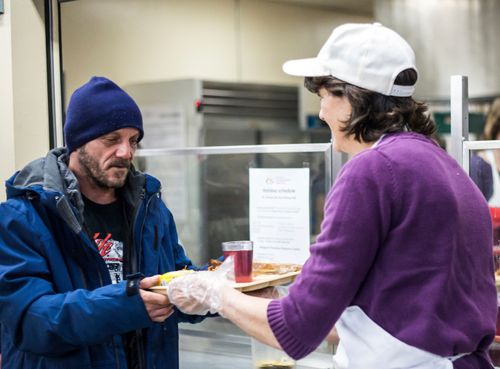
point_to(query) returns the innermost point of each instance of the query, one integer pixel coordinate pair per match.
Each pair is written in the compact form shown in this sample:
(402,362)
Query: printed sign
(279,214)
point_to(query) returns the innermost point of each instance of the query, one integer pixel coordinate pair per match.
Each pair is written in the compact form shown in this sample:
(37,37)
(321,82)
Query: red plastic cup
(242,252)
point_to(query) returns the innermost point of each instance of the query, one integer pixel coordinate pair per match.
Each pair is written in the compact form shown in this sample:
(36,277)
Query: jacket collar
(52,175)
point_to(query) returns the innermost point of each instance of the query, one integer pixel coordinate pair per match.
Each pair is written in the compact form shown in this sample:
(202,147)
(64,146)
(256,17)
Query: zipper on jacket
(135,261)
(155,240)
(139,247)
(140,340)
(134,265)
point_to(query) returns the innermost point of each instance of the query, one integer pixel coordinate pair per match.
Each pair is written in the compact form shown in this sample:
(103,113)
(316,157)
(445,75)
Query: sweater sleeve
(357,218)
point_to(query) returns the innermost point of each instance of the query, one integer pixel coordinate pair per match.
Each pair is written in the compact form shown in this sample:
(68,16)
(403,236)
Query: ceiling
(364,7)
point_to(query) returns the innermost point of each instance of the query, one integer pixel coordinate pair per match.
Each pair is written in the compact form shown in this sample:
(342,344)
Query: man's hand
(157,305)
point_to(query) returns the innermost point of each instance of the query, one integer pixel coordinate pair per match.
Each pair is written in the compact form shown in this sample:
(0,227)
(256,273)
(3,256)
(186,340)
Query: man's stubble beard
(97,175)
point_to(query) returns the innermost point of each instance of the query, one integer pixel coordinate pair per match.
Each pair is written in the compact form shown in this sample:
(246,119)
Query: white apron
(365,345)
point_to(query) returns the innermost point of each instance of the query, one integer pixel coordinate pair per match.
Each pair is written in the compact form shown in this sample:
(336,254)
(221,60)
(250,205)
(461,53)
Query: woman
(403,265)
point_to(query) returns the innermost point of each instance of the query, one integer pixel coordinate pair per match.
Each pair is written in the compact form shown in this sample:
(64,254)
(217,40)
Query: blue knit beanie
(97,108)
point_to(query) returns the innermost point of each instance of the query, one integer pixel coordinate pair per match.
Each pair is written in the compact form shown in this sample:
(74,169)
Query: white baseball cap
(365,55)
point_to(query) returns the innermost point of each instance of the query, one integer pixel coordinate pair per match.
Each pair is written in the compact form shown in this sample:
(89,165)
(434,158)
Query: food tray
(266,280)
(259,282)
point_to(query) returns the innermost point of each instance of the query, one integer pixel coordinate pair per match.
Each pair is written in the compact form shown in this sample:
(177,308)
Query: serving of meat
(214,264)
(260,268)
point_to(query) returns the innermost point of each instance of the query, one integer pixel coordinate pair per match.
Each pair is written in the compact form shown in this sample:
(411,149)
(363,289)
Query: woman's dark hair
(374,114)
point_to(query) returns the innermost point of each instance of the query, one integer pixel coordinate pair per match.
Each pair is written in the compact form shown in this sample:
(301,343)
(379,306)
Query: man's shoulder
(16,208)
(152,184)
(31,174)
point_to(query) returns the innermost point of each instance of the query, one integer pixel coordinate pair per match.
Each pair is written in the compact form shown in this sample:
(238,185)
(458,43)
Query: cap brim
(310,67)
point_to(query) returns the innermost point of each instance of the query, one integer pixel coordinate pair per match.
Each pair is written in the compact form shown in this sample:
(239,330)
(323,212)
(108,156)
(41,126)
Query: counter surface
(216,343)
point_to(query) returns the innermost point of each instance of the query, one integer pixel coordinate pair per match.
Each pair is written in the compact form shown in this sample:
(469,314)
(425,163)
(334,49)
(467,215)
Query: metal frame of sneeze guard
(469,146)
(459,116)
(459,108)
(335,160)
(461,147)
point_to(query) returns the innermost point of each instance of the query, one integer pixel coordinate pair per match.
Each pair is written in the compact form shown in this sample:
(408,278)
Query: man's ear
(73,160)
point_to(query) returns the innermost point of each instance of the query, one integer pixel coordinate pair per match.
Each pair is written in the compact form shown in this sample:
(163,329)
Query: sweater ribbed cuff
(290,344)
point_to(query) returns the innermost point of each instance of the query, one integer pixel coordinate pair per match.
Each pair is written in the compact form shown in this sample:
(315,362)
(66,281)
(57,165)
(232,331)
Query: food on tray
(167,277)
(266,270)
(260,268)
(276,365)
(214,264)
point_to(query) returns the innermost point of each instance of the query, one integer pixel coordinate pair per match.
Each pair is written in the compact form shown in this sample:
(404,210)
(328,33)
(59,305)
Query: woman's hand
(197,293)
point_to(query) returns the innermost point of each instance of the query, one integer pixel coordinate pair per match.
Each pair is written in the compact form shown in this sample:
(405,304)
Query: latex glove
(200,292)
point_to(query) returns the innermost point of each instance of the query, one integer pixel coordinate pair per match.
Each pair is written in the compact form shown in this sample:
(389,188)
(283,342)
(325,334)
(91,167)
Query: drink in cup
(242,252)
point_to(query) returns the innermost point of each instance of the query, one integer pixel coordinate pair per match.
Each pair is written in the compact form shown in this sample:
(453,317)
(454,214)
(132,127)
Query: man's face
(106,160)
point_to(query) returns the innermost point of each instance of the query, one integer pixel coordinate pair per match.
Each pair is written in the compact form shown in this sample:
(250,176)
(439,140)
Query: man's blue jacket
(58,308)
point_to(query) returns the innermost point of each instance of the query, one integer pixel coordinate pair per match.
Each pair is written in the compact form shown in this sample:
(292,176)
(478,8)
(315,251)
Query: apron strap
(456,357)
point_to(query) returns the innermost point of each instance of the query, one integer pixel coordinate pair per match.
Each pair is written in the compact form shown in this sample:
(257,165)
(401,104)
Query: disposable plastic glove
(200,292)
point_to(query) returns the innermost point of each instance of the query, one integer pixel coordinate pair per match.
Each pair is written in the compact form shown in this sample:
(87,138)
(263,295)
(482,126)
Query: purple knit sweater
(407,238)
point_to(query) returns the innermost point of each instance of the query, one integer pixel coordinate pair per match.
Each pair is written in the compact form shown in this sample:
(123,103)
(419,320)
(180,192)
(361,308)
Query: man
(79,230)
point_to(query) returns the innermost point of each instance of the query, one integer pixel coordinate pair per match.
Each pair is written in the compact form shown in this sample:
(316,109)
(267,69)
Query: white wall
(23,86)
(224,40)
(7,152)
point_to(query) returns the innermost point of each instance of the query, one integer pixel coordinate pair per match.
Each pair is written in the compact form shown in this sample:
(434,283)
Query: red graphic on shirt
(112,252)
(103,244)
